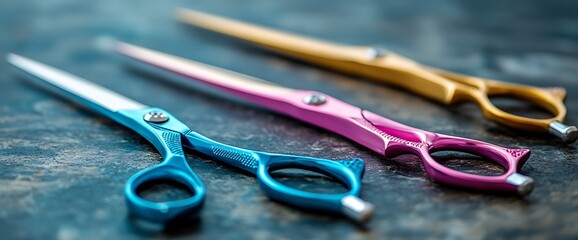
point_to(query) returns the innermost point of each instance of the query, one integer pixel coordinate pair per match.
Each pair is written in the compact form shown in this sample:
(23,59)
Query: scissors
(168,135)
(381,65)
(378,133)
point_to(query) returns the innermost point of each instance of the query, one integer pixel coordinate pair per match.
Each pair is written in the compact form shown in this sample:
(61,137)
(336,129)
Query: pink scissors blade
(382,135)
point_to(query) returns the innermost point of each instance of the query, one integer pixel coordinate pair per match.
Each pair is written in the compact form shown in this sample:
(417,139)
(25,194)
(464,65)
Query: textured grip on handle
(355,164)
(348,171)
(173,142)
(243,158)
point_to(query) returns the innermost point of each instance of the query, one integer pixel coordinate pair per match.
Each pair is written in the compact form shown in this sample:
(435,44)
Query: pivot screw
(376,52)
(314,99)
(156,117)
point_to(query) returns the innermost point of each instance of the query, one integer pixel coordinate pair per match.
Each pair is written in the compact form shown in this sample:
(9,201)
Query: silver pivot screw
(314,99)
(156,117)
(376,52)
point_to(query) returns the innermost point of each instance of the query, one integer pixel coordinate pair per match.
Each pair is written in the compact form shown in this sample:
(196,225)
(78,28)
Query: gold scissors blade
(378,64)
(290,44)
(370,62)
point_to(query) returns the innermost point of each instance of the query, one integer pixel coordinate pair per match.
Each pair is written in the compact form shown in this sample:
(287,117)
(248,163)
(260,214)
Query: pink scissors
(382,135)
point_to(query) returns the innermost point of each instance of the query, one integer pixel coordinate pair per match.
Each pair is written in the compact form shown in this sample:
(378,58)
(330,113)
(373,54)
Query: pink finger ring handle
(423,143)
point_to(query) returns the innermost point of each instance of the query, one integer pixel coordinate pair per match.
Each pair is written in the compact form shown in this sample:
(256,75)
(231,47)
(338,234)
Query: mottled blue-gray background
(63,168)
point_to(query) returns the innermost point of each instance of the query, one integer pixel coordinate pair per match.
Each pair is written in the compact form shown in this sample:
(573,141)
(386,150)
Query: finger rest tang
(356,165)
(524,184)
(357,209)
(557,92)
(352,206)
(568,134)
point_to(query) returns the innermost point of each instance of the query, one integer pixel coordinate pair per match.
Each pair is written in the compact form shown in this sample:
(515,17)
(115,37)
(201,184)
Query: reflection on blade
(294,45)
(213,75)
(73,84)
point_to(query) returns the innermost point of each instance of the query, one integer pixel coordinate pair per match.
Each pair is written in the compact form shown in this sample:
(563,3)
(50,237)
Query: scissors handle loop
(405,139)
(158,126)
(375,63)
(379,134)
(511,159)
(171,170)
(550,99)
(450,88)
(348,172)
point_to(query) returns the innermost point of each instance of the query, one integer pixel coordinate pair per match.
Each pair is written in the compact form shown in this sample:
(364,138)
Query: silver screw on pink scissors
(382,135)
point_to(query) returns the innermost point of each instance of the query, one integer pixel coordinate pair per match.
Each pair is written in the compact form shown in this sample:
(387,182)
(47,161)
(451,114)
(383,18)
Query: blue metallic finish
(349,172)
(171,135)
(174,166)
(166,137)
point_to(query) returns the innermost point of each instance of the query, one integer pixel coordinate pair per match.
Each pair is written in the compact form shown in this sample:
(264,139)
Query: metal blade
(74,85)
(212,75)
(293,45)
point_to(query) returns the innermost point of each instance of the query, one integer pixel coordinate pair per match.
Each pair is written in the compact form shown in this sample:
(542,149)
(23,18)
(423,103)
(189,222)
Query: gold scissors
(381,65)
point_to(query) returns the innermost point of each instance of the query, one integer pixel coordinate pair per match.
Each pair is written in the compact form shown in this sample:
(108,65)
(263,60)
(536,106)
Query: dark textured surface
(63,168)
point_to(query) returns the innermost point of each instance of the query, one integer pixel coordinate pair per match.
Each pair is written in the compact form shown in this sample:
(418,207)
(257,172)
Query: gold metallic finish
(380,65)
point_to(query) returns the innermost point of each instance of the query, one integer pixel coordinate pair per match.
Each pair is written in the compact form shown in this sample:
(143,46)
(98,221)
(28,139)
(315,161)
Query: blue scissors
(169,135)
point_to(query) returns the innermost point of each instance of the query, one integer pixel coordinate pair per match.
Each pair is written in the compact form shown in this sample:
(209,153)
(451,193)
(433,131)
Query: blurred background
(62,168)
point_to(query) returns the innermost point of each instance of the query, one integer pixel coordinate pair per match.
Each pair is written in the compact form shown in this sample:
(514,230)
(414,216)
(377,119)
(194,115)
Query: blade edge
(215,76)
(294,45)
(74,85)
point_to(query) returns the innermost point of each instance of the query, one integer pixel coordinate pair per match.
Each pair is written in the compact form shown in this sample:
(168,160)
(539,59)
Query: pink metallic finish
(378,133)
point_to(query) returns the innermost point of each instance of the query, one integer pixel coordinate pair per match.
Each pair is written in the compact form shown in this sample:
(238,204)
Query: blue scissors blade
(165,137)
(87,92)
(163,133)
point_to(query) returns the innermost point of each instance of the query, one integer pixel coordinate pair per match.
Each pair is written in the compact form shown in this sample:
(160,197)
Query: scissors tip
(184,14)
(19,62)
(180,11)
(12,58)
(106,43)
